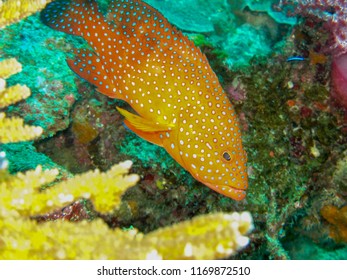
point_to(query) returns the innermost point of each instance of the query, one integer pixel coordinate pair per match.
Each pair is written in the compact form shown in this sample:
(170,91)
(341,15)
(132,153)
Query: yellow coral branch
(9,67)
(204,237)
(14,10)
(13,94)
(104,189)
(16,189)
(25,239)
(14,130)
(209,236)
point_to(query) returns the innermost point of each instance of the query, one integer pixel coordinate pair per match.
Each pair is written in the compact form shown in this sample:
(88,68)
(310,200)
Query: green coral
(18,154)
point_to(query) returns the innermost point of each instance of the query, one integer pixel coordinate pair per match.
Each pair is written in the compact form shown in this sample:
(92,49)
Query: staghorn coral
(9,67)
(12,11)
(24,239)
(204,237)
(21,191)
(13,129)
(208,236)
(103,189)
(13,94)
(8,96)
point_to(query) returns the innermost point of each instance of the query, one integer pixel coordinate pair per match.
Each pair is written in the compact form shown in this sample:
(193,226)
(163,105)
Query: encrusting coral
(12,11)
(13,129)
(338,221)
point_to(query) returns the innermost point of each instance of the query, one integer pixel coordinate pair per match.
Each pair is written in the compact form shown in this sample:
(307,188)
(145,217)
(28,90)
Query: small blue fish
(295,58)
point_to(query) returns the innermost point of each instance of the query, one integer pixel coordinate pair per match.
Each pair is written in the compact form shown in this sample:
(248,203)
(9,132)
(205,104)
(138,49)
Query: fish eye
(226,156)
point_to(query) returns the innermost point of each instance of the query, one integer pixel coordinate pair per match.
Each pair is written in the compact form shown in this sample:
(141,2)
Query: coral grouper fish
(140,58)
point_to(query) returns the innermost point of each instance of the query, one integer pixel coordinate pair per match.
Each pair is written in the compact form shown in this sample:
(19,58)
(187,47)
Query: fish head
(214,155)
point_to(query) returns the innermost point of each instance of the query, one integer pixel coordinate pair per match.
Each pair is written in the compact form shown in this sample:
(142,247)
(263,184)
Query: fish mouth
(228,191)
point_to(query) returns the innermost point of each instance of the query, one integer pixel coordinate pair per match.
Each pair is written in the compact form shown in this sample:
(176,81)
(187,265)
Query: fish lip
(229,191)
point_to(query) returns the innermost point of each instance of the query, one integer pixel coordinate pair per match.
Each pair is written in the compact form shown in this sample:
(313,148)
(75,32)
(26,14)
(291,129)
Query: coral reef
(205,237)
(331,18)
(294,133)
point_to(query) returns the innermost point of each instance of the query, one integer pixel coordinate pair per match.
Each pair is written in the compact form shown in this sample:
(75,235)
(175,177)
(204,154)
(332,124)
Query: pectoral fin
(144,128)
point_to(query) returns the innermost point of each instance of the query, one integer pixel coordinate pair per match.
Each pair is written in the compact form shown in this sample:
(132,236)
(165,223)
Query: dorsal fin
(88,66)
(68,16)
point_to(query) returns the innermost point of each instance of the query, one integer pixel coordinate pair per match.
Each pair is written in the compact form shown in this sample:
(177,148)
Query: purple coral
(333,13)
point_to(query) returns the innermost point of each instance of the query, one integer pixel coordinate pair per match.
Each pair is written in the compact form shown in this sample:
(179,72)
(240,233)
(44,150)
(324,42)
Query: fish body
(140,58)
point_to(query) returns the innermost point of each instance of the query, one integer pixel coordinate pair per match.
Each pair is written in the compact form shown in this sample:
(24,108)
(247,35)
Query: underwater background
(283,65)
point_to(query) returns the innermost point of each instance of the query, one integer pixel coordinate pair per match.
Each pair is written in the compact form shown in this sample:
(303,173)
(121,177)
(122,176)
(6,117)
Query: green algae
(150,156)
(286,147)
(24,156)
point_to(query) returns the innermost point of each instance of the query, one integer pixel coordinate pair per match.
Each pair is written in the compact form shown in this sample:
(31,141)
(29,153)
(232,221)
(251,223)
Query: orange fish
(139,57)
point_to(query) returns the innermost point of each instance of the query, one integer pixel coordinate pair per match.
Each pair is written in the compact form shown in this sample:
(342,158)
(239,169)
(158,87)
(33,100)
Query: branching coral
(103,189)
(204,237)
(9,67)
(14,10)
(13,94)
(13,129)
(24,239)
(8,96)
